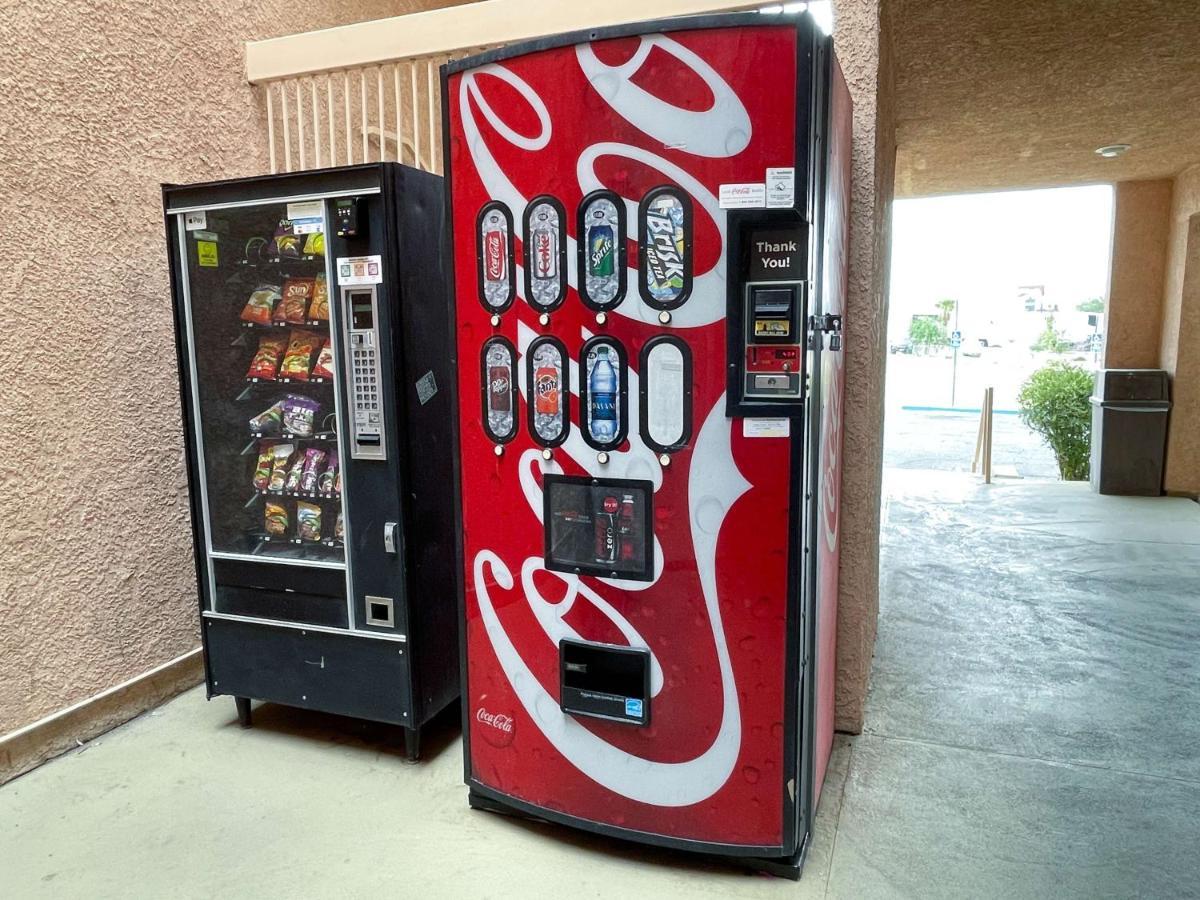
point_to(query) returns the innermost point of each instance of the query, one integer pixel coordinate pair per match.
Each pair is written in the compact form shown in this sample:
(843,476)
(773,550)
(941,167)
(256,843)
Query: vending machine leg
(412,743)
(243,711)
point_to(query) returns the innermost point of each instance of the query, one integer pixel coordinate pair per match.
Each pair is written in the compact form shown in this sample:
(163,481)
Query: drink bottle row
(665,418)
(664,235)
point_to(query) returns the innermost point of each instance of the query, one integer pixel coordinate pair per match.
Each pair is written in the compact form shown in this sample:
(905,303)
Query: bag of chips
(308,521)
(266,358)
(269,421)
(313,460)
(299,355)
(294,306)
(281,453)
(314,244)
(318,310)
(275,518)
(284,243)
(337,527)
(262,470)
(325,482)
(295,473)
(299,413)
(261,305)
(324,366)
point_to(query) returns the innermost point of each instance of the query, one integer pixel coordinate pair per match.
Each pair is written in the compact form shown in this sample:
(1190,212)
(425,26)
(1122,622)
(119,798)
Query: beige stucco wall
(103,102)
(862,42)
(1133,317)
(1180,344)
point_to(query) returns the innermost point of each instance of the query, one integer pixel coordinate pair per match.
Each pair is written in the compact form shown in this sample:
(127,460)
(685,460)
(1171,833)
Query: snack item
(325,482)
(337,527)
(299,413)
(275,518)
(313,460)
(266,358)
(262,470)
(337,481)
(324,366)
(319,308)
(296,294)
(284,243)
(314,244)
(269,420)
(261,305)
(308,521)
(279,467)
(299,355)
(295,473)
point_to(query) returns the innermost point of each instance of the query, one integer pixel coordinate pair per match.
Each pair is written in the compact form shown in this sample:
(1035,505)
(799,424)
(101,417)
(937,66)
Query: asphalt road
(946,441)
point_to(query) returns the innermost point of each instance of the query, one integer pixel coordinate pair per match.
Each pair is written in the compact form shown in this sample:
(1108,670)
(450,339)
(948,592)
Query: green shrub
(924,333)
(1054,403)
(1050,339)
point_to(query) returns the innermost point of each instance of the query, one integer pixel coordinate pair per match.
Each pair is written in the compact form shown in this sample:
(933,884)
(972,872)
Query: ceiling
(993,95)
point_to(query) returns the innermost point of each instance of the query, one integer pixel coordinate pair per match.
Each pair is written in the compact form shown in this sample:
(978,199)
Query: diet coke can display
(545,280)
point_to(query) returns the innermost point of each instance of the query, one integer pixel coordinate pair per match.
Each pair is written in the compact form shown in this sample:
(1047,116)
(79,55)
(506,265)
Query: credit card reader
(362,345)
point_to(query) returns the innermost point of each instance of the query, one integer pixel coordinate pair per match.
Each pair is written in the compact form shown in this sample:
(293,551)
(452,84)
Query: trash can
(1129,431)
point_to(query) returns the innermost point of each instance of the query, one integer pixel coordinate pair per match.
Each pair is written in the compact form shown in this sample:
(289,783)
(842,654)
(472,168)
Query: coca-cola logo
(500,727)
(610,504)
(494,252)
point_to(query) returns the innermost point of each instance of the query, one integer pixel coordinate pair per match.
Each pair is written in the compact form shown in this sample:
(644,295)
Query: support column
(1133,316)
(862,40)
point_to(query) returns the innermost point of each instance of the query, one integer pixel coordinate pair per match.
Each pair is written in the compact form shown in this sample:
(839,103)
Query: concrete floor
(1032,731)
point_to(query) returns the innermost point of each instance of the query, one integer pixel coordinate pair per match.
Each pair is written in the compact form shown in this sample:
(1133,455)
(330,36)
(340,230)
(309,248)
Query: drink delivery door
(648,229)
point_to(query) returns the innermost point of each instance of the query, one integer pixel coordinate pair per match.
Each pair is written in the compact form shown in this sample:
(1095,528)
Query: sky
(979,248)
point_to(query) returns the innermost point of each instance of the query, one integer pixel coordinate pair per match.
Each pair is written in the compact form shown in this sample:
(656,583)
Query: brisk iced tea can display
(664,266)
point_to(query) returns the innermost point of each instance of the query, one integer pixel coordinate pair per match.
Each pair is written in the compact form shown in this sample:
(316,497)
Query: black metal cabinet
(316,383)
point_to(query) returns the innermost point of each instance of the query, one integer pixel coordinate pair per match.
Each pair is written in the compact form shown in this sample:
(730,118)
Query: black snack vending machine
(315,367)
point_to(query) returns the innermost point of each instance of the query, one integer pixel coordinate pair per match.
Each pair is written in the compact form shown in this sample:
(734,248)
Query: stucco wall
(104,102)
(1133,317)
(1180,347)
(863,45)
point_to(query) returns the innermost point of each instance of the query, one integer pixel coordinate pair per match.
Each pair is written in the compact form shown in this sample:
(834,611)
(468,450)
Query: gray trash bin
(1129,431)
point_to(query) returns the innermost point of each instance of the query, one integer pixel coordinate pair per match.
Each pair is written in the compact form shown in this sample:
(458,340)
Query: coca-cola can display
(494,235)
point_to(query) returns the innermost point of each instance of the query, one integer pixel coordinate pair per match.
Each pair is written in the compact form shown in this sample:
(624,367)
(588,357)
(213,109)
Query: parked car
(905,347)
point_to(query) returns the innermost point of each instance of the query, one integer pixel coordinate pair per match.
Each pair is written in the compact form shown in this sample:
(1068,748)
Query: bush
(925,333)
(1054,403)
(1050,339)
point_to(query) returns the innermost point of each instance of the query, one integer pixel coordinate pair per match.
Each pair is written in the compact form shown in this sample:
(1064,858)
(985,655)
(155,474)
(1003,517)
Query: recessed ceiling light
(1111,151)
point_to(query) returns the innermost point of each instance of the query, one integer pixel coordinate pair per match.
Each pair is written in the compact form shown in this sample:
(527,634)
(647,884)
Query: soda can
(601,241)
(601,252)
(544,281)
(545,386)
(495,270)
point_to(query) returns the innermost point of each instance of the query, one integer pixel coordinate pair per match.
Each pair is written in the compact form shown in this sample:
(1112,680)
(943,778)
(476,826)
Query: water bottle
(602,398)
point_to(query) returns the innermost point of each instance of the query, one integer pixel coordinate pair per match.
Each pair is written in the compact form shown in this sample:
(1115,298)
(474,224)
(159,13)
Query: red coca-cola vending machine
(649,234)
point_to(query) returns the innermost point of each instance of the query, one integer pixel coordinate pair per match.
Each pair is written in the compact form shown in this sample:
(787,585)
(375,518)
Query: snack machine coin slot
(362,346)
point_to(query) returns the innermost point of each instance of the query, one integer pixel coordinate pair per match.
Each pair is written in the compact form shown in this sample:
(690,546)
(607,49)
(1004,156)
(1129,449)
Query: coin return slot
(380,611)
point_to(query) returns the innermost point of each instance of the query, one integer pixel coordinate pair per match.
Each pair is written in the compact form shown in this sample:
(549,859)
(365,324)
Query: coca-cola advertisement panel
(656,122)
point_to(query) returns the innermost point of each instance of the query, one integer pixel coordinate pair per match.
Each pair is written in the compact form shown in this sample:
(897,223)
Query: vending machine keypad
(362,345)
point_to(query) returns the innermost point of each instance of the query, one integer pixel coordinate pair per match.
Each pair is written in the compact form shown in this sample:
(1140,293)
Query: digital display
(362,312)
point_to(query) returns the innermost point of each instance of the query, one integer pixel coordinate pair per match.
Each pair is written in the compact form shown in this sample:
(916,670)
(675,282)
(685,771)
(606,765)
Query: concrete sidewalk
(1033,730)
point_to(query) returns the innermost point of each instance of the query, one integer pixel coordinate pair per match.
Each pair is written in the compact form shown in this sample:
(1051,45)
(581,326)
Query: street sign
(956,339)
